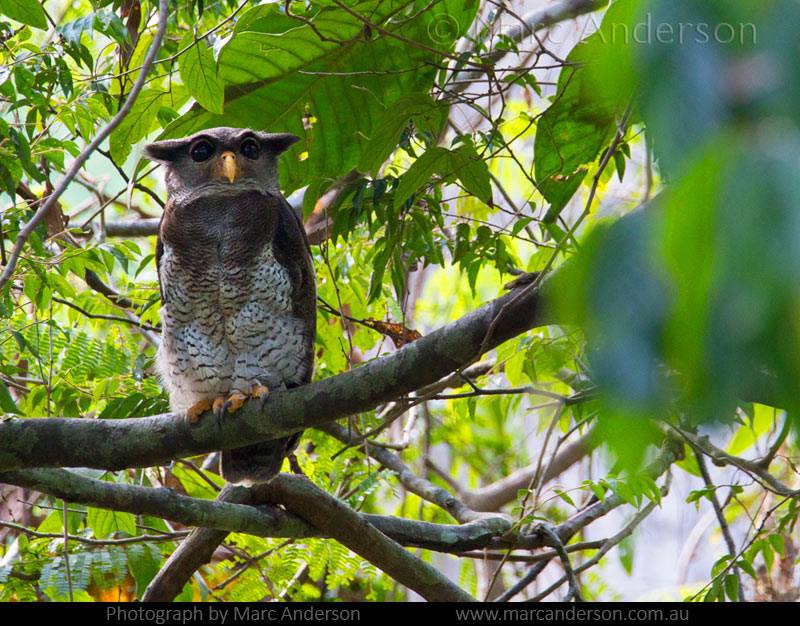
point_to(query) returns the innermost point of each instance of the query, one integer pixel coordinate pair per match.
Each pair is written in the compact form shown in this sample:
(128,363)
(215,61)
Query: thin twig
(65,536)
(569,573)
(96,542)
(723,458)
(723,524)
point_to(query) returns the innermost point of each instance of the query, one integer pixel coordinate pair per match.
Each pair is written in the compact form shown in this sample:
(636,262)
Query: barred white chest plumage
(228,327)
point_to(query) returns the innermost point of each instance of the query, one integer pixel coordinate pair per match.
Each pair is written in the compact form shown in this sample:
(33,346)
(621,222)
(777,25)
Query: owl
(237,284)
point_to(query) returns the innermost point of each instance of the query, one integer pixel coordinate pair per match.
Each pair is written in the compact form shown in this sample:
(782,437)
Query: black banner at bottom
(225,614)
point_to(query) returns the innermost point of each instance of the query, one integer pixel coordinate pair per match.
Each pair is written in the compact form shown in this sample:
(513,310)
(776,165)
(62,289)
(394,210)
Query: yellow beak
(229,165)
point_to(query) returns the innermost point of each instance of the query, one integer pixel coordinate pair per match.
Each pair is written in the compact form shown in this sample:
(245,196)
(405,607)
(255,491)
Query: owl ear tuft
(165,151)
(277,143)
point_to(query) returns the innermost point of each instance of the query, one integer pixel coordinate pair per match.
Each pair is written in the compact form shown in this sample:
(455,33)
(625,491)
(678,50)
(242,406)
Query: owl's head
(220,160)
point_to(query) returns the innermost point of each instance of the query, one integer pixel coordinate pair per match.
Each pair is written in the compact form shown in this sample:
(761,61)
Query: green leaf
(198,71)
(143,119)
(580,122)
(747,567)
(778,543)
(390,124)
(280,76)
(473,172)
(7,404)
(433,161)
(748,436)
(558,190)
(732,587)
(72,31)
(144,561)
(25,11)
(626,554)
(105,523)
(565,497)
(463,163)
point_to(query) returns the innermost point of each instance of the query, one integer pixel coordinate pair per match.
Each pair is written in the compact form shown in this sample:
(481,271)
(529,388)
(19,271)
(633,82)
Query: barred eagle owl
(237,284)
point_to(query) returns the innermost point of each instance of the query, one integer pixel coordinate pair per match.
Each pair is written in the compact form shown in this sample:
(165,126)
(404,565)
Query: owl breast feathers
(237,284)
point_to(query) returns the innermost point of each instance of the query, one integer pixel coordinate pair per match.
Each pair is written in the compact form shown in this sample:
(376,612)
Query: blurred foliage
(688,303)
(649,172)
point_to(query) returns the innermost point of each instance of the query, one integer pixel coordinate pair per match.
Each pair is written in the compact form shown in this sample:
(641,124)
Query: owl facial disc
(220,160)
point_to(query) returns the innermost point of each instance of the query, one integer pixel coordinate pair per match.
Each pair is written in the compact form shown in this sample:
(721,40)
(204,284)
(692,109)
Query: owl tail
(258,463)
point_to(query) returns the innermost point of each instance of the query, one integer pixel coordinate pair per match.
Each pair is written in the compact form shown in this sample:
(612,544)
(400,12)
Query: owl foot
(217,407)
(196,410)
(261,392)
(234,402)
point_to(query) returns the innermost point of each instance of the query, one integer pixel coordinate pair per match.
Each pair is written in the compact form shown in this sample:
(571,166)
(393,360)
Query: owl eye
(250,148)
(201,151)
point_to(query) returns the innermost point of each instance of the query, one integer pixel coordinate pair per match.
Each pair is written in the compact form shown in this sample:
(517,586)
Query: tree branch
(568,529)
(527,27)
(494,496)
(236,515)
(96,542)
(720,513)
(133,228)
(218,518)
(350,529)
(608,544)
(720,457)
(310,512)
(193,553)
(423,488)
(146,441)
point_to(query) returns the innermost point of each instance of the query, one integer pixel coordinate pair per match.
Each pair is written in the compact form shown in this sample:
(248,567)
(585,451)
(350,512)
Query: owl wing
(159,254)
(294,252)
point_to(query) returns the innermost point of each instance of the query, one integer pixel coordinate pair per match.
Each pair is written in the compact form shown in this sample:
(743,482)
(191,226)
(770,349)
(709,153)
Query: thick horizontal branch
(156,440)
(236,515)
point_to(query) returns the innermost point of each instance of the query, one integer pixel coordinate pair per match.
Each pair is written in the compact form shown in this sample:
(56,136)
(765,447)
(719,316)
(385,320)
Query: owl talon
(234,402)
(219,407)
(194,412)
(262,393)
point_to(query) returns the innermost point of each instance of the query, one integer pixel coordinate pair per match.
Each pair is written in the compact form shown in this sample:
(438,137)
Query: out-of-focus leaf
(582,119)
(26,11)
